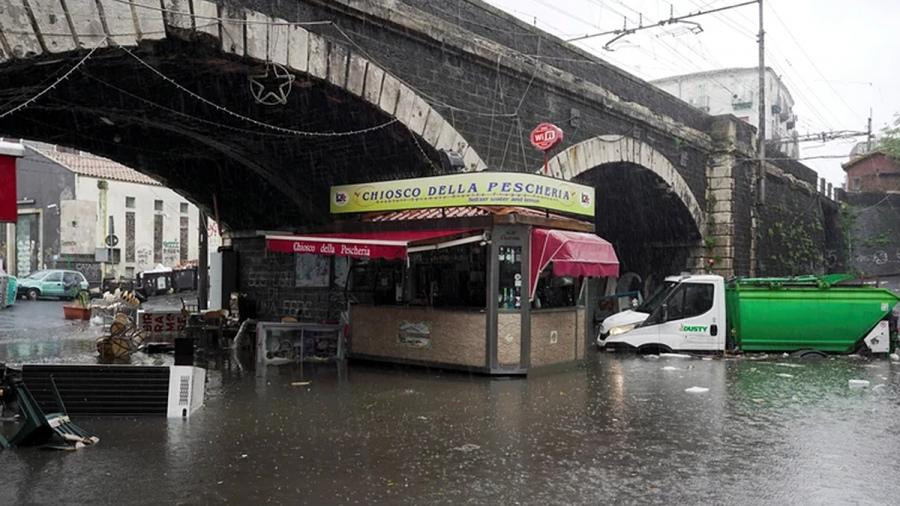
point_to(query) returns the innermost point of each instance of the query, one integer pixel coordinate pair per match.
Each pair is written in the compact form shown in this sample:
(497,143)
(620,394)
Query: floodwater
(620,429)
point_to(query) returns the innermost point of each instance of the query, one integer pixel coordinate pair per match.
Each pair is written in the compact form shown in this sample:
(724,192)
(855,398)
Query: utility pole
(869,136)
(760,183)
(203,264)
(762,105)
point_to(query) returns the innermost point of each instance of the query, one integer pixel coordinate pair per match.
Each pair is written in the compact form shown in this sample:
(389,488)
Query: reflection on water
(619,428)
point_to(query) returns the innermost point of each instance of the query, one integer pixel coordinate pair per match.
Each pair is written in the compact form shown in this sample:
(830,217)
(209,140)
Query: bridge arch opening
(643,205)
(177,105)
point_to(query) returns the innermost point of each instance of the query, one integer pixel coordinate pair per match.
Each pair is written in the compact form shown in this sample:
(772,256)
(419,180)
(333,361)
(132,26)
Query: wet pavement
(619,429)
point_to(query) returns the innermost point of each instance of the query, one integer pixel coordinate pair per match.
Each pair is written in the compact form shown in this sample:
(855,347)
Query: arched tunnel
(650,226)
(183,112)
(254,176)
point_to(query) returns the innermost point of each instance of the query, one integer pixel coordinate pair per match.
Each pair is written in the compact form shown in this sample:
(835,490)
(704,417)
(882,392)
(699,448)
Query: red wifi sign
(545,136)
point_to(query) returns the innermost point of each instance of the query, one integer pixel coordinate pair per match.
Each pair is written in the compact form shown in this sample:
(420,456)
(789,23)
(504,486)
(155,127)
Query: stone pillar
(718,238)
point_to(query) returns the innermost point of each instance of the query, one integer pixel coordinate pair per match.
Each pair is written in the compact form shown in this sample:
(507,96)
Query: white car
(624,321)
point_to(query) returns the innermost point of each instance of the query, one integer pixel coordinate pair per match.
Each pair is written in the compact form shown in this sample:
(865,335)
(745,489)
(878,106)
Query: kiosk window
(510,295)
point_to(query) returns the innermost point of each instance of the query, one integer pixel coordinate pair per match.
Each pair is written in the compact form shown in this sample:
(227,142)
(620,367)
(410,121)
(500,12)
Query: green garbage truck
(821,314)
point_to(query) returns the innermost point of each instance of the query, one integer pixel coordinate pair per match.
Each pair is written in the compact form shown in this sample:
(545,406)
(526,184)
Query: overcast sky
(837,57)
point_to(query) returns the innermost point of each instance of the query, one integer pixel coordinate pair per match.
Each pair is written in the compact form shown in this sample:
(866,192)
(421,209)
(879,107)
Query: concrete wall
(78,232)
(45,183)
(874,236)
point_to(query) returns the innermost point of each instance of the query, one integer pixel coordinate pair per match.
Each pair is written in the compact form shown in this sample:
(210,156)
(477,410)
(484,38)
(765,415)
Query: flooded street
(620,428)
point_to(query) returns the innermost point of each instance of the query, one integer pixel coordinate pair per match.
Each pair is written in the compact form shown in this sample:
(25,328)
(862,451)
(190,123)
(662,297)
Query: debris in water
(784,375)
(300,383)
(895,356)
(669,368)
(878,387)
(859,383)
(466,448)
(674,355)
(697,390)
(784,355)
(706,358)
(785,364)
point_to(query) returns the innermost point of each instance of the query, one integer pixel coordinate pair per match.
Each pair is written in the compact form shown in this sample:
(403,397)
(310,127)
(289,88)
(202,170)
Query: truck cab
(690,318)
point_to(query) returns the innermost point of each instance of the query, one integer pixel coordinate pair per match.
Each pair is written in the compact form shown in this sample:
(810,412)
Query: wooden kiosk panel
(554,336)
(509,340)
(421,334)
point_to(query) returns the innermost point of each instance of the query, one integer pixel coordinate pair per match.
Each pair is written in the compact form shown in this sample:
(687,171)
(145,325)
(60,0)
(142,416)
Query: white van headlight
(621,329)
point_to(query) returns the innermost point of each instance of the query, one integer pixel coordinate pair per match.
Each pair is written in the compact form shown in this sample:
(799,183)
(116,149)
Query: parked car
(51,283)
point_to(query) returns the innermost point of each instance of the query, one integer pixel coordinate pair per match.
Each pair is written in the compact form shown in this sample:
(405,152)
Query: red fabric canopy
(8,211)
(572,254)
(387,245)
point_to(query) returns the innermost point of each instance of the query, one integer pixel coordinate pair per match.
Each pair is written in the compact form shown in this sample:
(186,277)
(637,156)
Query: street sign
(112,240)
(545,136)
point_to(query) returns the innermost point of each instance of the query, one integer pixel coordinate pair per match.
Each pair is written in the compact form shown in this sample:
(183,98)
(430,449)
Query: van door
(52,284)
(688,318)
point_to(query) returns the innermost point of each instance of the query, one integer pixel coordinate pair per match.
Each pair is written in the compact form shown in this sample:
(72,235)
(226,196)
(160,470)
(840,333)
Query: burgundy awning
(387,245)
(572,254)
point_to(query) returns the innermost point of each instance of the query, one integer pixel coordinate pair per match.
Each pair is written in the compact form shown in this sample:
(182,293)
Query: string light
(248,119)
(53,85)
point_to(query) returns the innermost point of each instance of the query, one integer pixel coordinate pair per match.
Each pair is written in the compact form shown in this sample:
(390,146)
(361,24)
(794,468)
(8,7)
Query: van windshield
(37,275)
(656,299)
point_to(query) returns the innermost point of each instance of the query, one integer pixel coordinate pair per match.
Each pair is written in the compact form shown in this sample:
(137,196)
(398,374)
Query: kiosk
(483,272)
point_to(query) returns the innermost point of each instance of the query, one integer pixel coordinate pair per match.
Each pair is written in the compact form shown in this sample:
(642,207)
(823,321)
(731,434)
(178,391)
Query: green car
(52,283)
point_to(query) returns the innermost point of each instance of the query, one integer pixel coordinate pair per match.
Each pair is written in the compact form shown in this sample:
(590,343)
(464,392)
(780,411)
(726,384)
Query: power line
(671,20)
(812,63)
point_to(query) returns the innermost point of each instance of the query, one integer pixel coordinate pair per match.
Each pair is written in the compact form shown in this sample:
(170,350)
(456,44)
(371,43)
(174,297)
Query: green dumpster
(809,312)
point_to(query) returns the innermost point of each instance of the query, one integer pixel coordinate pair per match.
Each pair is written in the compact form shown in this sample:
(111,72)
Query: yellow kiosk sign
(469,189)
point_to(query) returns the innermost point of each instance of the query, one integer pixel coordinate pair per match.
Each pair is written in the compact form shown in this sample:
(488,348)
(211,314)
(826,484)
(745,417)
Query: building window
(129,202)
(129,273)
(157,238)
(183,245)
(855,183)
(184,207)
(157,205)
(129,237)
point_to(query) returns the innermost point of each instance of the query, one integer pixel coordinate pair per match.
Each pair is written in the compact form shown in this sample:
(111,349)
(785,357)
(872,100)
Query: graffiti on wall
(170,252)
(144,256)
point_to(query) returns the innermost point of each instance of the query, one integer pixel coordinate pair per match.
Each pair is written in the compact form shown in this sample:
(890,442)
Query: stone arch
(603,149)
(39,27)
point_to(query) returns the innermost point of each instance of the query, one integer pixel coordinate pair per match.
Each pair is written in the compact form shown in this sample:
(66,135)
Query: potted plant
(80,309)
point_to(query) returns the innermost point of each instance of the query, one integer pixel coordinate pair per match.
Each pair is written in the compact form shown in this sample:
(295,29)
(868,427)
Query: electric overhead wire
(812,62)
(669,47)
(816,105)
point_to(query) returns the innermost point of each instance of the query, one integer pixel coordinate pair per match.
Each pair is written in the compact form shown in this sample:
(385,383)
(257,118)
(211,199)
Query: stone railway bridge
(379,89)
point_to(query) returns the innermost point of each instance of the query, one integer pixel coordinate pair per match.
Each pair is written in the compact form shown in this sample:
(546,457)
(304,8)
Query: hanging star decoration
(273,86)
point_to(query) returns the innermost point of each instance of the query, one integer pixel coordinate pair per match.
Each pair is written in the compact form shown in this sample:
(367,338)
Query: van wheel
(32,294)
(808,354)
(653,349)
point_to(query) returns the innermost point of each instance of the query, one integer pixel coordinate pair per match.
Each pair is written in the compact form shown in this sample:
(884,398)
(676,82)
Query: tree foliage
(889,142)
